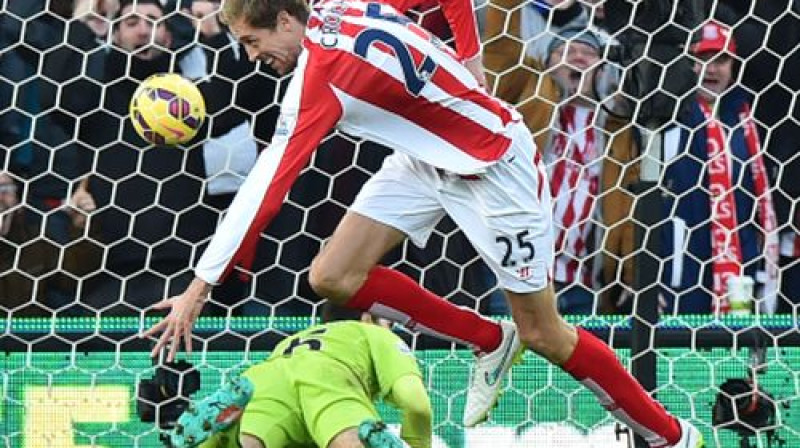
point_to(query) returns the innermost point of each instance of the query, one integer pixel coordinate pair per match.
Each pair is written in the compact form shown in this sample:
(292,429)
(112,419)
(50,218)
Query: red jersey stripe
(456,129)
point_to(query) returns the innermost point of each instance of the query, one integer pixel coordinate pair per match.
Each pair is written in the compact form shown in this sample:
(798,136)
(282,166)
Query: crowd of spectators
(93,220)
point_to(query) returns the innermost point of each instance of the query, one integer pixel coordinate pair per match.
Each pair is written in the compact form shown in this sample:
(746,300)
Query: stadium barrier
(71,397)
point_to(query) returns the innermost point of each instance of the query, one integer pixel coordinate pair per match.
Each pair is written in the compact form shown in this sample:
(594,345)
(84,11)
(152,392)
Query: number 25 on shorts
(515,248)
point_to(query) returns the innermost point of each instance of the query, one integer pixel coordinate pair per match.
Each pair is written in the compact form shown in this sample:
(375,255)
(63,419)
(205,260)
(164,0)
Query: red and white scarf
(726,248)
(574,185)
(790,244)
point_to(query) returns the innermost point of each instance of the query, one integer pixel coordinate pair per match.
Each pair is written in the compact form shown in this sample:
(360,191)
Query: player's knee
(330,283)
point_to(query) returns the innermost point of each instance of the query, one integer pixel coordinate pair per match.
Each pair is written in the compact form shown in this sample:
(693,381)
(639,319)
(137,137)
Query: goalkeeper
(316,389)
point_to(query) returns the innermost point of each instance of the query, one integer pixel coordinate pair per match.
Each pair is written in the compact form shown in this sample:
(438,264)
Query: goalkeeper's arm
(408,394)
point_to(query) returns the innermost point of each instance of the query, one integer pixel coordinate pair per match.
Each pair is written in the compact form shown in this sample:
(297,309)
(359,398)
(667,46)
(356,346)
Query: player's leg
(522,261)
(273,417)
(336,409)
(593,363)
(213,415)
(501,215)
(539,325)
(343,265)
(399,201)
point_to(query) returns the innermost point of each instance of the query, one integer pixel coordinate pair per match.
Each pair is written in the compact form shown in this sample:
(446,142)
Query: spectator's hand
(81,204)
(205,13)
(96,14)
(178,324)
(475,66)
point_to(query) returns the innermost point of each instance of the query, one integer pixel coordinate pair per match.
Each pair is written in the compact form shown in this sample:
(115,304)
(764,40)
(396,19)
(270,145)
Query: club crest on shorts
(537,269)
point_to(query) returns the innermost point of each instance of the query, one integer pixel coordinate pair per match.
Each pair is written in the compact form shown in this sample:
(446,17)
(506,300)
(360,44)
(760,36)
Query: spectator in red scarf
(722,228)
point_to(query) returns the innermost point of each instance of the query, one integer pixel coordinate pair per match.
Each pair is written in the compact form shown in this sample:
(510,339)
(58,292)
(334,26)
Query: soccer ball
(167,109)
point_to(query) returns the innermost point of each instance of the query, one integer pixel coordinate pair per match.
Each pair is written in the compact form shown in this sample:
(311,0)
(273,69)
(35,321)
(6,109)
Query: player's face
(279,48)
(715,71)
(574,66)
(139,28)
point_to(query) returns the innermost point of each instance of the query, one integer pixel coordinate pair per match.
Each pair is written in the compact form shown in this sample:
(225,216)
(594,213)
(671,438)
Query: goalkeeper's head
(335,313)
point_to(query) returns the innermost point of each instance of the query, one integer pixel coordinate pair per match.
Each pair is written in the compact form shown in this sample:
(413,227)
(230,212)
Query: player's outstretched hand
(177,326)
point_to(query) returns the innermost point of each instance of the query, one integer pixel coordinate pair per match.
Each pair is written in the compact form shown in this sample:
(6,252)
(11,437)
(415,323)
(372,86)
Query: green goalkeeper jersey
(324,380)
(376,356)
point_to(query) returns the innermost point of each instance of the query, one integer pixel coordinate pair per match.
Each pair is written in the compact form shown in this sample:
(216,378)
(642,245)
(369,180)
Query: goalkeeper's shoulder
(378,333)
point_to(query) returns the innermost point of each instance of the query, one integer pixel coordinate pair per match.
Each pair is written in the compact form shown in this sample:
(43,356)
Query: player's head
(573,56)
(336,313)
(715,60)
(140,28)
(270,31)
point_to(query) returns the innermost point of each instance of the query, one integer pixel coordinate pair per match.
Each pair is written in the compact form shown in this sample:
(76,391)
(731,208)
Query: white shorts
(505,212)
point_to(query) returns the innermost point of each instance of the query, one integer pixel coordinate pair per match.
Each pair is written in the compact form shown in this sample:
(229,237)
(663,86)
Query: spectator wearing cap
(590,155)
(722,222)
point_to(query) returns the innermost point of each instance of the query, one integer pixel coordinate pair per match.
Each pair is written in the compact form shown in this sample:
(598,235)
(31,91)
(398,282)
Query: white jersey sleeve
(369,71)
(308,112)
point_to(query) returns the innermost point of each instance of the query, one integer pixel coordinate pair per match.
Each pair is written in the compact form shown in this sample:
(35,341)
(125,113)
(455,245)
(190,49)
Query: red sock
(595,365)
(390,294)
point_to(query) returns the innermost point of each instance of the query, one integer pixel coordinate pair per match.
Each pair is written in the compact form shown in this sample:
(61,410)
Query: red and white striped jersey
(370,72)
(574,163)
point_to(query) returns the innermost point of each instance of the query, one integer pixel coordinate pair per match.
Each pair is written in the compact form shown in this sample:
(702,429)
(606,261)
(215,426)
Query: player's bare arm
(409,396)
(177,326)
(475,66)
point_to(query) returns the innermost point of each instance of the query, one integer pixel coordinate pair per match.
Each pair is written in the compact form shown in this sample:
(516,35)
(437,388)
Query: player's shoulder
(386,337)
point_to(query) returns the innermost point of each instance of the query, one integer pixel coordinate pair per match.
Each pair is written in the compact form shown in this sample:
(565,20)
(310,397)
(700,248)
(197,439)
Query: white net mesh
(95,225)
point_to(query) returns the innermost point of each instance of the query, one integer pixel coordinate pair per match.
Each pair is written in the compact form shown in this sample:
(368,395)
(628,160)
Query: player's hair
(262,13)
(335,313)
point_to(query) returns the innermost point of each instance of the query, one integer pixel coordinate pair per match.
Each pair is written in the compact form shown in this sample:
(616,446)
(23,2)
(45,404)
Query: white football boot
(487,378)
(691,437)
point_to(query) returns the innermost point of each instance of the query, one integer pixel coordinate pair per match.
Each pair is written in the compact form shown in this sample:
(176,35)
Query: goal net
(670,132)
